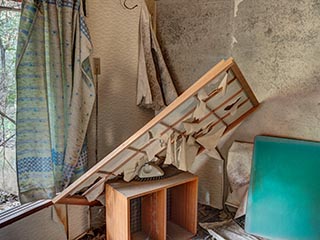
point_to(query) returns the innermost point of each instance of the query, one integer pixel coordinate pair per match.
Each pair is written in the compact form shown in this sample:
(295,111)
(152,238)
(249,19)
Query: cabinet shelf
(161,217)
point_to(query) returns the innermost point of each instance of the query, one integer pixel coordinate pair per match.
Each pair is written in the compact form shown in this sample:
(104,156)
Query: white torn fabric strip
(211,139)
(201,111)
(223,84)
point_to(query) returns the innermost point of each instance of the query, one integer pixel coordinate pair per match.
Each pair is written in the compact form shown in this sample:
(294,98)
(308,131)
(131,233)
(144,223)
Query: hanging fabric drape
(55,96)
(155,88)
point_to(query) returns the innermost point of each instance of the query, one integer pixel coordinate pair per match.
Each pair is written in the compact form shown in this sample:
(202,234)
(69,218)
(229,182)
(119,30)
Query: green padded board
(284,192)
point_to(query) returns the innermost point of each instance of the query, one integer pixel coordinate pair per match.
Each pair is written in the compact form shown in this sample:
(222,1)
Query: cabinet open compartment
(149,217)
(182,211)
(154,215)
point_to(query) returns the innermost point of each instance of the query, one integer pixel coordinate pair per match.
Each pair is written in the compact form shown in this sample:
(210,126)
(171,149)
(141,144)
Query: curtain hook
(127,7)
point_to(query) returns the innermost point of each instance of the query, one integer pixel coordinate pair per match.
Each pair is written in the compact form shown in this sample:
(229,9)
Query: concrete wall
(194,36)
(275,43)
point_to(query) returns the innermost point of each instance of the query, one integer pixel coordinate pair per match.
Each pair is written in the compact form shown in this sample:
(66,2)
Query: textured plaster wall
(114,32)
(194,35)
(275,43)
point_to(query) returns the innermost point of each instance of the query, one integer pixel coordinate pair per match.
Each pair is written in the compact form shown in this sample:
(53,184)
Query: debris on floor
(227,230)
(210,220)
(8,200)
(96,234)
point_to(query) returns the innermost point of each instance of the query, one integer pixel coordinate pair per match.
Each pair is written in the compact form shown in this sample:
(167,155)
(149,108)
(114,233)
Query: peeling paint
(236,5)
(233,42)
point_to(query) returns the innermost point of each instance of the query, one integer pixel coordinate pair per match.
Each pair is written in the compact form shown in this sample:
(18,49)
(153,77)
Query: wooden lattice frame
(135,146)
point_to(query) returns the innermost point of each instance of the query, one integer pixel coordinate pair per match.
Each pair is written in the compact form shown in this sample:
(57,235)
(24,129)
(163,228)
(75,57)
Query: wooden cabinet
(168,208)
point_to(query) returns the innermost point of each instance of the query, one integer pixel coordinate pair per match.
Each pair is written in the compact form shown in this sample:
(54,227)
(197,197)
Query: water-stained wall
(275,43)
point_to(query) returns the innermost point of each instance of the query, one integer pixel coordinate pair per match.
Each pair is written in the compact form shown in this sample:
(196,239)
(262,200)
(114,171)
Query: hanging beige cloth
(155,88)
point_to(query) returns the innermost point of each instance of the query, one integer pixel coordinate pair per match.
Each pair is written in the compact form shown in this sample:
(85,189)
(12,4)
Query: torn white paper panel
(227,230)
(191,152)
(201,111)
(213,154)
(233,110)
(202,94)
(102,199)
(170,158)
(223,84)
(155,147)
(235,197)
(210,172)
(88,183)
(131,168)
(211,139)
(95,192)
(165,137)
(187,153)
(177,144)
(191,127)
(238,172)
(157,130)
(180,161)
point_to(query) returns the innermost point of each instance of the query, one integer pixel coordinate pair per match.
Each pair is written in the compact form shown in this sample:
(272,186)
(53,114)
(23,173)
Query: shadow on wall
(295,115)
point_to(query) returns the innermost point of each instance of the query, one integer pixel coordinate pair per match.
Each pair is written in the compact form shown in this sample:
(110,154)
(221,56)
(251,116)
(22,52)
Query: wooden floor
(205,214)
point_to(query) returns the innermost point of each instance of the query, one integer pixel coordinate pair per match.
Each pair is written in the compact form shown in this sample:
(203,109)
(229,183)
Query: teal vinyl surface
(284,192)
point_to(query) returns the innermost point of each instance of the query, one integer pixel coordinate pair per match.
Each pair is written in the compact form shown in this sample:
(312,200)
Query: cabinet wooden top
(136,189)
